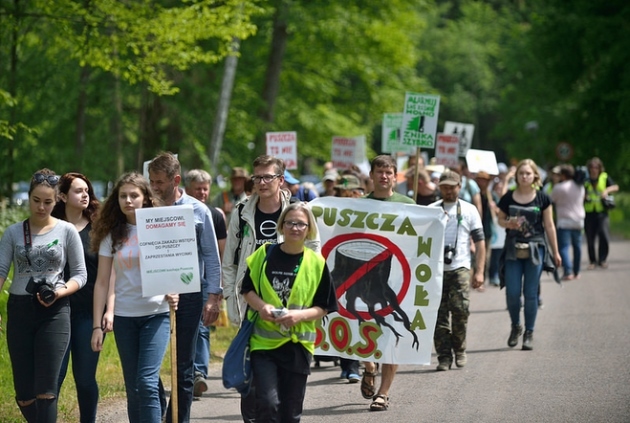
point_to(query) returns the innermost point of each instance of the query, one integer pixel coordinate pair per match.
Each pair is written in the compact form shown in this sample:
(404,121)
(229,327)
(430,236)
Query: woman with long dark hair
(78,205)
(141,324)
(38,310)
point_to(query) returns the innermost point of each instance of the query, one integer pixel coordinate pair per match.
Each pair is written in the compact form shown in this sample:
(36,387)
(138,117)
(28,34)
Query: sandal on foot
(380,403)
(368,389)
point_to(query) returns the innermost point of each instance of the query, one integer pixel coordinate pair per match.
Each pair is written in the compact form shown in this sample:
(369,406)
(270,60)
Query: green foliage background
(102,86)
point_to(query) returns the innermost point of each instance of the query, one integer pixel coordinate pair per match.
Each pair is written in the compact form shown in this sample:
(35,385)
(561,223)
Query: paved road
(577,372)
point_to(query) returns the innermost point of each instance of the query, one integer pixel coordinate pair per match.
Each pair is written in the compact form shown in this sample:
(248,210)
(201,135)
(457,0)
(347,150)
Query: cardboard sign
(283,145)
(168,250)
(386,262)
(420,116)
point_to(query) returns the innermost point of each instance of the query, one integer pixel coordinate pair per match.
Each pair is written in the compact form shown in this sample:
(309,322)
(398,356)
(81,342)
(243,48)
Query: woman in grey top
(38,328)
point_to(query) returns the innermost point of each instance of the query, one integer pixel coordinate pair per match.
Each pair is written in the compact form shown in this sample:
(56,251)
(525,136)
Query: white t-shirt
(568,200)
(129,300)
(470,220)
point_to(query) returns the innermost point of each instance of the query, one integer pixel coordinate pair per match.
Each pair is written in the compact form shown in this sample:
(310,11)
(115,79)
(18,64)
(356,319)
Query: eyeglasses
(267,178)
(51,179)
(300,225)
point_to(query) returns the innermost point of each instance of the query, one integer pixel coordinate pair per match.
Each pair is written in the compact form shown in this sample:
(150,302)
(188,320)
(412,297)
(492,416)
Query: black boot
(528,340)
(516,332)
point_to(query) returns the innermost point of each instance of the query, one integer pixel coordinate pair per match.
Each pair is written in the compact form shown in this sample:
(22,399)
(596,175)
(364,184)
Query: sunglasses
(51,179)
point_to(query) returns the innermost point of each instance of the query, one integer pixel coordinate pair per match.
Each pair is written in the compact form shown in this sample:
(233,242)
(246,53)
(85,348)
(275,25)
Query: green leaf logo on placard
(186,277)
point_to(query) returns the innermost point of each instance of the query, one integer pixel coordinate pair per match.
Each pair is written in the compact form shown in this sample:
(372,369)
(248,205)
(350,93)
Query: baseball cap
(349,182)
(290,179)
(330,176)
(502,167)
(450,178)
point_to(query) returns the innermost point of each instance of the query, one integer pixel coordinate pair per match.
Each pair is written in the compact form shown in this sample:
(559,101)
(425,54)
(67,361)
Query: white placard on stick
(478,160)
(168,250)
(464,131)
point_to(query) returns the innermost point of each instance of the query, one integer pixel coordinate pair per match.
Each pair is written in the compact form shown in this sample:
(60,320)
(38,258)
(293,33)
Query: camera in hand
(449,253)
(45,289)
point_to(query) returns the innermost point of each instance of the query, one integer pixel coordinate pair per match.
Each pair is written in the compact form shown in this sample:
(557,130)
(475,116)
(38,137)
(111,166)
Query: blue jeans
(84,362)
(202,346)
(188,316)
(522,276)
(142,343)
(570,238)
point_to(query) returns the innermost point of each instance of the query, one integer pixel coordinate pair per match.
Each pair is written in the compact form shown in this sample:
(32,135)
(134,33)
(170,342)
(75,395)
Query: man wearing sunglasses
(253,223)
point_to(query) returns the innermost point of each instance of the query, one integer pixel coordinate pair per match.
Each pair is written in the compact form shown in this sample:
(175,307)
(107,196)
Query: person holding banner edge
(383,174)
(141,324)
(164,177)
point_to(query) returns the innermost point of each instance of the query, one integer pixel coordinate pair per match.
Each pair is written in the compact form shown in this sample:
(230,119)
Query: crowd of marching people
(77,276)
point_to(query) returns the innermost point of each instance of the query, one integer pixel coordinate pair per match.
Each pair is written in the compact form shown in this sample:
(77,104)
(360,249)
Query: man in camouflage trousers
(464,224)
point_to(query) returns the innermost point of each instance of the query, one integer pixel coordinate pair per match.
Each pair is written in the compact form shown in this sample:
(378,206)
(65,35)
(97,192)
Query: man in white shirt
(464,224)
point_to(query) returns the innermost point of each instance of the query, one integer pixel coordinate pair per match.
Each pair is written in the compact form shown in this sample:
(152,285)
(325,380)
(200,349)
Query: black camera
(449,252)
(581,175)
(45,289)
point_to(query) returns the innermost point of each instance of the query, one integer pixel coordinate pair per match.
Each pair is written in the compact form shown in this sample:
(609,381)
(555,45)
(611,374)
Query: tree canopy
(99,86)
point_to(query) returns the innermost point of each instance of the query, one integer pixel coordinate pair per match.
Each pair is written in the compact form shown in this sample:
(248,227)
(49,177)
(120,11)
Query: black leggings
(597,225)
(37,338)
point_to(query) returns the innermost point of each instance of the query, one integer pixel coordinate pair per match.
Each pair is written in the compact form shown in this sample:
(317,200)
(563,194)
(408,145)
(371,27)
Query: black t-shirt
(219,223)
(281,272)
(266,226)
(529,214)
(83,299)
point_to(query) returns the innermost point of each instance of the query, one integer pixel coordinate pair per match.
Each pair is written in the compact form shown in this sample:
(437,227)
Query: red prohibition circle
(391,248)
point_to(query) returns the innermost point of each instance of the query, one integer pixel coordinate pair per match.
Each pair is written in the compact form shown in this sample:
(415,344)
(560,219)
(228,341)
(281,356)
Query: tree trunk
(274,69)
(223,107)
(81,112)
(117,129)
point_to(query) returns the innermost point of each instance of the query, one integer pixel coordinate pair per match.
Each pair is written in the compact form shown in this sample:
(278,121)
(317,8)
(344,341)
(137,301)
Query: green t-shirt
(395,197)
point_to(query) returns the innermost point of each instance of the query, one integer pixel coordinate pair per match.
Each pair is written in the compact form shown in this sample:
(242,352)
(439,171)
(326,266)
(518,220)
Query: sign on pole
(168,250)
(446,150)
(283,145)
(390,135)
(465,131)
(386,262)
(348,151)
(420,118)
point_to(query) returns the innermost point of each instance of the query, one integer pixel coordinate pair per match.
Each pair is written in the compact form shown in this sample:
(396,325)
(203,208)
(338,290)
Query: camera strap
(459,220)
(27,239)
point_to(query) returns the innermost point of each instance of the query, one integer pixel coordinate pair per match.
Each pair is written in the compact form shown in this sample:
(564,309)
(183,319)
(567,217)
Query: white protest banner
(478,160)
(348,151)
(446,150)
(420,116)
(465,131)
(390,135)
(168,250)
(386,257)
(283,145)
